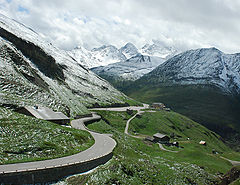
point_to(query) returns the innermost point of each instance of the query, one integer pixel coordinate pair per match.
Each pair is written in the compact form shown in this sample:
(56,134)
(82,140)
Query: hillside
(142,162)
(33,71)
(202,84)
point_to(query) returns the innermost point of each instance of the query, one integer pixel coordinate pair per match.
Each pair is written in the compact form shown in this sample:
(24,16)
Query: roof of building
(157,103)
(46,113)
(202,142)
(159,135)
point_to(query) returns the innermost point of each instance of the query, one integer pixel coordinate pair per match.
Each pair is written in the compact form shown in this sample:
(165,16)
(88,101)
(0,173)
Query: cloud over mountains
(92,23)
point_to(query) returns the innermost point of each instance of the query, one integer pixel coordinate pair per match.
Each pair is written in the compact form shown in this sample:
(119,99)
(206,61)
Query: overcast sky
(184,24)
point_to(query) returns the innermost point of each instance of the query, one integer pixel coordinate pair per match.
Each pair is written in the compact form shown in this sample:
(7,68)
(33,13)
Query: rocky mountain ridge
(206,66)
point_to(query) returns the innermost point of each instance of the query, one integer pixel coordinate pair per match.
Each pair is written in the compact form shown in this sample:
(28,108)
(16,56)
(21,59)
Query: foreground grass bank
(136,161)
(26,139)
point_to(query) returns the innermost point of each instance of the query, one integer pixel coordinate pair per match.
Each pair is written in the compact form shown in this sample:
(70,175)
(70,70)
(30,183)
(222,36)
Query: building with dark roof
(161,138)
(45,113)
(158,106)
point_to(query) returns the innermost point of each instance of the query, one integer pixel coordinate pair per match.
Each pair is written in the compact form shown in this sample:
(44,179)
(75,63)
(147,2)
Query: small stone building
(161,138)
(45,113)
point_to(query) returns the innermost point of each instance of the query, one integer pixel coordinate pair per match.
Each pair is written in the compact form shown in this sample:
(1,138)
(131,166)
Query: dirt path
(123,109)
(162,148)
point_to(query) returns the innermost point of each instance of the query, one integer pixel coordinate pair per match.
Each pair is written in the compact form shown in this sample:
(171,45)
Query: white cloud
(183,23)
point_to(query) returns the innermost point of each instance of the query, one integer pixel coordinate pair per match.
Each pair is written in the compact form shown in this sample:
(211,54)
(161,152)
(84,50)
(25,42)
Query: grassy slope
(138,162)
(182,127)
(206,105)
(28,139)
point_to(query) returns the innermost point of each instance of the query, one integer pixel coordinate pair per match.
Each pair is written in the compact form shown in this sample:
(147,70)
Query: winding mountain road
(234,163)
(103,146)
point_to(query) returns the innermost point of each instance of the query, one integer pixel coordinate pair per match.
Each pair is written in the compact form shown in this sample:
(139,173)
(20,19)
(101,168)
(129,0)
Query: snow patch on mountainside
(131,69)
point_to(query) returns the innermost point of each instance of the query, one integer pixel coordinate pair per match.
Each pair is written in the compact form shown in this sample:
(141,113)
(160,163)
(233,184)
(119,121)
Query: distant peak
(78,47)
(129,44)
(213,48)
(105,47)
(129,50)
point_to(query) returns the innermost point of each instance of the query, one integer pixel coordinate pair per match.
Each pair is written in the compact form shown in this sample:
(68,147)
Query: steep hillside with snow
(82,56)
(33,71)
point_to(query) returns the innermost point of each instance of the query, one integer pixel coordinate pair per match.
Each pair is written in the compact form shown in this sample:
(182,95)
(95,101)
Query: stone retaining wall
(51,174)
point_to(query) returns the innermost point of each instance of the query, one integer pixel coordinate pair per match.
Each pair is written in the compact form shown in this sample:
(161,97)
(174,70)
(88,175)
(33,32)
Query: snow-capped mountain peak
(129,50)
(102,56)
(107,55)
(158,49)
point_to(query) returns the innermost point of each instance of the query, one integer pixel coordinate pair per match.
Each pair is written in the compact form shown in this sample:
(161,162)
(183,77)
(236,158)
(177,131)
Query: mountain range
(138,63)
(109,54)
(34,71)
